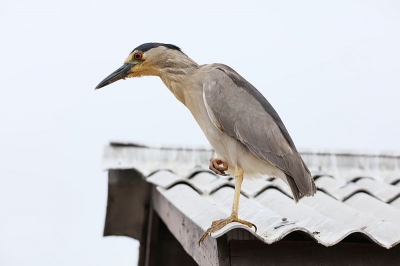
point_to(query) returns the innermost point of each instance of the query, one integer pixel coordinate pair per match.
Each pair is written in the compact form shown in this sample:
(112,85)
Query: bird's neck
(180,80)
(188,89)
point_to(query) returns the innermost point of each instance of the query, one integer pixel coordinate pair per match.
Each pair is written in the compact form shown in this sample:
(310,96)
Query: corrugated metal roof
(358,194)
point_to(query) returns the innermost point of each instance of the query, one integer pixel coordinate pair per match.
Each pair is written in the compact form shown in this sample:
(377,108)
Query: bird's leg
(216,225)
(218,166)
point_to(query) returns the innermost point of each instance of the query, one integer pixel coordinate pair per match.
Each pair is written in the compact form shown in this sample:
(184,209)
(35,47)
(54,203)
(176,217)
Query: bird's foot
(218,166)
(216,225)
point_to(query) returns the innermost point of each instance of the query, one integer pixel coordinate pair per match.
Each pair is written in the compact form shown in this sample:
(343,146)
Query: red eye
(138,56)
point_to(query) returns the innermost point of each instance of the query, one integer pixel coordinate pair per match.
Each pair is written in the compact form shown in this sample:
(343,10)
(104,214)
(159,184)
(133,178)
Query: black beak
(118,74)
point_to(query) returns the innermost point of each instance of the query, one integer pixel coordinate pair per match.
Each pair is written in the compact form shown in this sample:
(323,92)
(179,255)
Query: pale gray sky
(330,69)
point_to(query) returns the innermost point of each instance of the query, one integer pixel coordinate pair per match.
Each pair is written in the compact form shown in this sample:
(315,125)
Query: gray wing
(239,109)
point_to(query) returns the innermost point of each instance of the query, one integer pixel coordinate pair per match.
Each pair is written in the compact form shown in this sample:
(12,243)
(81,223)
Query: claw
(255,227)
(216,225)
(218,166)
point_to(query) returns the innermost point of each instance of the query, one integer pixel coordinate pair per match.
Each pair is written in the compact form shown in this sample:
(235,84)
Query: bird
(246,133)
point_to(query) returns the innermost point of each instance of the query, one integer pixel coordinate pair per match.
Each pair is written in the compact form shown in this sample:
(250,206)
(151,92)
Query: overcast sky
(330,68)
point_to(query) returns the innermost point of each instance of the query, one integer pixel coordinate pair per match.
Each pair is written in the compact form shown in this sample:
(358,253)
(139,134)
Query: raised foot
(216,225)
(218,166)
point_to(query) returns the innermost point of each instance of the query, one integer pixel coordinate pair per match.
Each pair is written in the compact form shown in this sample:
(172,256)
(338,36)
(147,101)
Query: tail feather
(313,188)
(293,187)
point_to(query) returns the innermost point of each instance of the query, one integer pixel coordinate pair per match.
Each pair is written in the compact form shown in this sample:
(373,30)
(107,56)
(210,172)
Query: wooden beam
(162,247)
(211,252)
(255,253)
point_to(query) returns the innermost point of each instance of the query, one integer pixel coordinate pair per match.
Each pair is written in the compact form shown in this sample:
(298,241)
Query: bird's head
(150,59)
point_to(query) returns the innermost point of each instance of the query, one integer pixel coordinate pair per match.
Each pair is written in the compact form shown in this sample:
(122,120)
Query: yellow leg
(238,186)
(216,225)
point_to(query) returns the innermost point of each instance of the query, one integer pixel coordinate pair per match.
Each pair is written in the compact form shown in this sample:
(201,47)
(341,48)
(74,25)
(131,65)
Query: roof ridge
(322,152)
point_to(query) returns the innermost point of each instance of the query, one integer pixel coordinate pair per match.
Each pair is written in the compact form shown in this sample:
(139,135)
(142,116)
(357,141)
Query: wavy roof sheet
(357,194)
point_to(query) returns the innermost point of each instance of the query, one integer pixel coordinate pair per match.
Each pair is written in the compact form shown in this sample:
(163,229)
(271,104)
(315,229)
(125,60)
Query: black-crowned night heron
(246,132)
